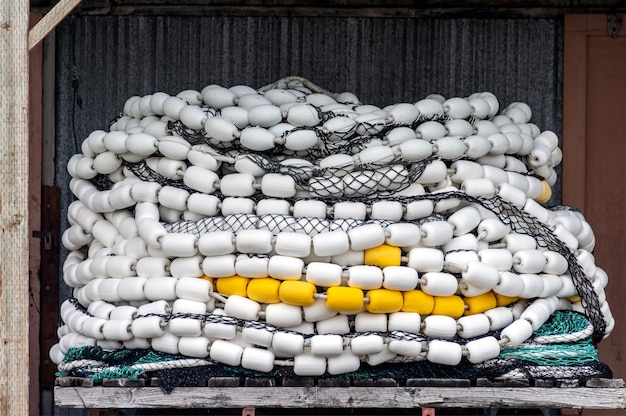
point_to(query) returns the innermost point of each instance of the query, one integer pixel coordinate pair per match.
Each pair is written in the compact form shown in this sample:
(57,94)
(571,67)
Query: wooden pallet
(328,393)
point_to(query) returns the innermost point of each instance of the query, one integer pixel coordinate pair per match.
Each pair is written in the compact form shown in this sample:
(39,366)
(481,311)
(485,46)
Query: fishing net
(565,357)
(291,232)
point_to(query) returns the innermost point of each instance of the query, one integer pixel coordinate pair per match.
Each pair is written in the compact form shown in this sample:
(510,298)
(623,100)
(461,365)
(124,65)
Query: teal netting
(578,353)
(561,323)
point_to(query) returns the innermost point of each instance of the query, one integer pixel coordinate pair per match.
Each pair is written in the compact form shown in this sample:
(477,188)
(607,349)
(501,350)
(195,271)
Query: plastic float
(292,230)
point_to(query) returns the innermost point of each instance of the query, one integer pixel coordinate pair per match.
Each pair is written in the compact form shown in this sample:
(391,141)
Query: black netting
(122,357)
(519,221)
(523,223)
(496,369)
(101,182)
(401,372)
(364,180)
(146,173)
(360,136)
(558,329)
(197,228)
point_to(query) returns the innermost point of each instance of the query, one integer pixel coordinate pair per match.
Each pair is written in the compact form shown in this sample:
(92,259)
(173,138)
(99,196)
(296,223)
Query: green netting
(118,372)
(563,322)
(98,354)
(581,352)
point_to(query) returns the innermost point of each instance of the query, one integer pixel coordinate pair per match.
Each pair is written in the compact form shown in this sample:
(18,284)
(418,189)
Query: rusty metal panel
(382,60)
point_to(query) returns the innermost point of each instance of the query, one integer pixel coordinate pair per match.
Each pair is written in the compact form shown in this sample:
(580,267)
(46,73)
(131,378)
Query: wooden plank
(605,382)
(368,382)
(593,152)
(574,110)
(223,382)
(123,382)
(438,382)
(298,382)
(349,397)
(74,382)
(606,82)
(578,28)
(50,21)
(513,382)
(14,176)
(259,382)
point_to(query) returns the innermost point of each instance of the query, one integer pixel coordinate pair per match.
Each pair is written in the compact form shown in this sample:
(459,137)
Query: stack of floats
(292,226)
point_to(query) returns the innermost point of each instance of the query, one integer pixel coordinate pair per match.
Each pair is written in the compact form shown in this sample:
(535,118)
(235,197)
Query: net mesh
(576,360)
(564,347)
(364,180)
(519,221)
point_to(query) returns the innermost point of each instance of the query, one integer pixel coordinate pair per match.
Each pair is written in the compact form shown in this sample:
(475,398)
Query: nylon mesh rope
(292,231)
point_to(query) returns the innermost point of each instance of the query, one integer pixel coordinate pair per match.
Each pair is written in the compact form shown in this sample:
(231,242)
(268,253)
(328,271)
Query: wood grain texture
(14,176)
(574,109)
(50,21)
(604,191)
(351,397)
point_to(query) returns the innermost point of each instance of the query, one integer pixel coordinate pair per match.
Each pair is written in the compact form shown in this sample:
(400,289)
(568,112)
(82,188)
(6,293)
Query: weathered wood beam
(14,175)
(334,397)
(50,21)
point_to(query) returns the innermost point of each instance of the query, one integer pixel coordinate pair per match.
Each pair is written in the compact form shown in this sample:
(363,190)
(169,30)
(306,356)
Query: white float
(405,231)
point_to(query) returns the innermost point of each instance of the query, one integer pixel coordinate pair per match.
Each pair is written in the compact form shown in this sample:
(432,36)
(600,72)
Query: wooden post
(14,361)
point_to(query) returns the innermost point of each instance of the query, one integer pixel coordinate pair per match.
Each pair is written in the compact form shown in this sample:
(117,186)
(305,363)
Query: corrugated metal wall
(382,60)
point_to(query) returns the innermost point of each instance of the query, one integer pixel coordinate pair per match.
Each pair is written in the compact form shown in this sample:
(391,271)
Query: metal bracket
(614,23)
(46,237)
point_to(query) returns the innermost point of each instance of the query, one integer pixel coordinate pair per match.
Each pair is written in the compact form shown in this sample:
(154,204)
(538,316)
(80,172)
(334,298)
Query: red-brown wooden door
(594,159)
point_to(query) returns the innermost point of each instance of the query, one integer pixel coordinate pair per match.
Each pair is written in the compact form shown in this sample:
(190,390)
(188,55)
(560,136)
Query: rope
(331,193)
(294,82)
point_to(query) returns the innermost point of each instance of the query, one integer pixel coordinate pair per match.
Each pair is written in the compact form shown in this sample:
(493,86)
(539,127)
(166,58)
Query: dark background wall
(382,60)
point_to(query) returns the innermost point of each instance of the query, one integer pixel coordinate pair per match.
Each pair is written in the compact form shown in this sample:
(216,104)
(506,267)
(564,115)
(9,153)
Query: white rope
(68,366)
(565,338)
(169,364)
